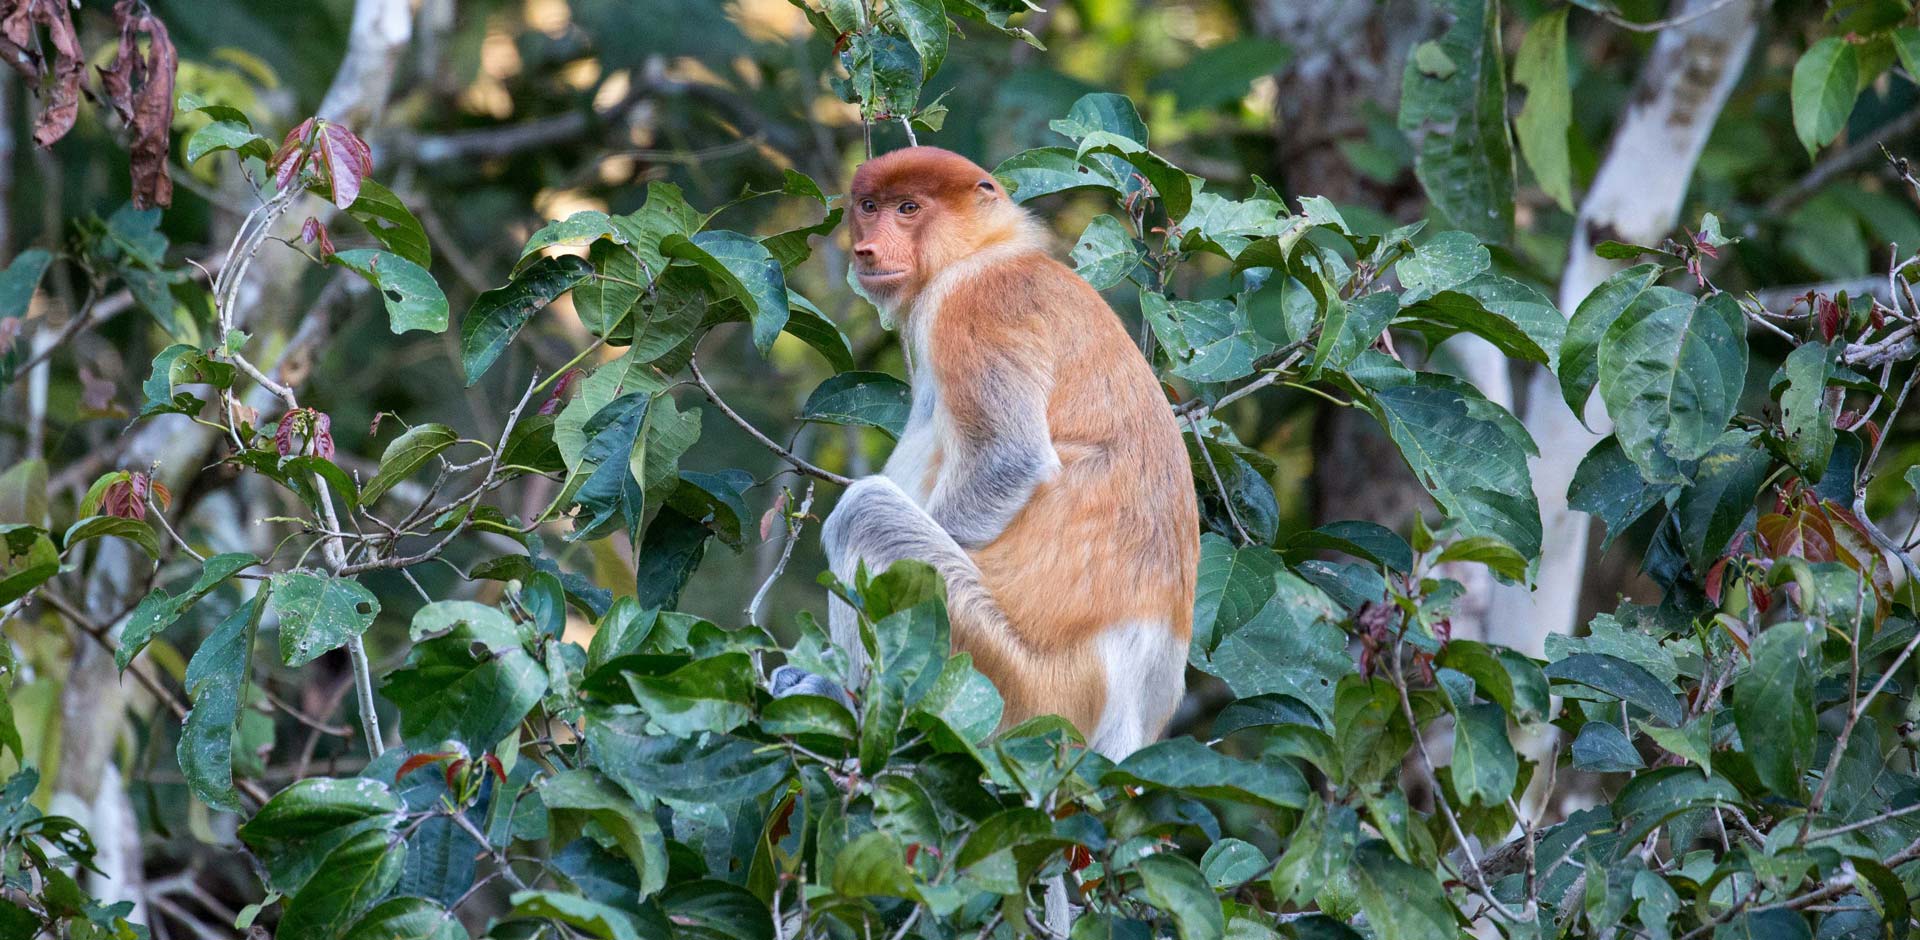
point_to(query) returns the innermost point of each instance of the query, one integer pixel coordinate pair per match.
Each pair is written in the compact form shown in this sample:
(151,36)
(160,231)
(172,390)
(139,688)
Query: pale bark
(1636,197)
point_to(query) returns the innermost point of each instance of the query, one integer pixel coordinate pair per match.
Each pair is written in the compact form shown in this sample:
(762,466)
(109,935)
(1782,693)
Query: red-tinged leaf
(499,772)
(283,434)
(913,852)
(561,390)
(1716,578)
(161,495)
(292,155)
(1078,858)
(1827,316)
(773,513)
(313,230)
(1762,598)
(418,761)
(127,497)
(347,159)
(455,767)
(322,435)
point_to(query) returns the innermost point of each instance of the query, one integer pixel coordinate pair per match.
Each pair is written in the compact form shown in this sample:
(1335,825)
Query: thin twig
(799,463)
(795,522)
(1226,499)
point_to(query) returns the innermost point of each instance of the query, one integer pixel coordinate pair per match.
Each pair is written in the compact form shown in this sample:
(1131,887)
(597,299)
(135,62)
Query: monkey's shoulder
(1028,288)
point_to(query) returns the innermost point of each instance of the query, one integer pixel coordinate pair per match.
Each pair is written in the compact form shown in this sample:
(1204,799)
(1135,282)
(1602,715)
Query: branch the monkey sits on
(1041,471)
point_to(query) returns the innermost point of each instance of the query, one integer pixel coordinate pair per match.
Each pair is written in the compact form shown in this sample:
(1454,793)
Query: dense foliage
(577,756)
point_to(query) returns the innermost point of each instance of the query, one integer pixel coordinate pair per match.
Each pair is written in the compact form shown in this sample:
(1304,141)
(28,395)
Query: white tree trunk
(1636,197)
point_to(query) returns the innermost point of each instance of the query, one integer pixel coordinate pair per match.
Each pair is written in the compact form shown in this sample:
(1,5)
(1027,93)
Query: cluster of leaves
(644,783)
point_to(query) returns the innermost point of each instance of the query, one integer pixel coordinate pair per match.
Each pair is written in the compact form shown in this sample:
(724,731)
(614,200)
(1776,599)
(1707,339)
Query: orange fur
(1112,535)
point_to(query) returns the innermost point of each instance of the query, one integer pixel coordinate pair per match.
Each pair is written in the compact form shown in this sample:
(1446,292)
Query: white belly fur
(1146,677)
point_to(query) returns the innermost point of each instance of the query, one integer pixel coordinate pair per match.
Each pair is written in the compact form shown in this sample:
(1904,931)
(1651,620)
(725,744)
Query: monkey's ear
(986,184)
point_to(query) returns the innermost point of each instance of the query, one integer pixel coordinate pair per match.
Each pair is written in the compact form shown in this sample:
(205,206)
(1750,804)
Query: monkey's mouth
(879,277)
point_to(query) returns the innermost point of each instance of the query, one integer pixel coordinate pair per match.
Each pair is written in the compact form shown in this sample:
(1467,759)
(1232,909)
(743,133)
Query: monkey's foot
(793,680)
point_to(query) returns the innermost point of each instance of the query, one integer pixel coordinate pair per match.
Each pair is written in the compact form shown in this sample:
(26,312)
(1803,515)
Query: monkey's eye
(866,205)
(909,208)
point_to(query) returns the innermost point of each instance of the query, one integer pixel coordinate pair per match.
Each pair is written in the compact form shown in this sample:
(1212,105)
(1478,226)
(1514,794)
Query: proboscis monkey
(1041,471)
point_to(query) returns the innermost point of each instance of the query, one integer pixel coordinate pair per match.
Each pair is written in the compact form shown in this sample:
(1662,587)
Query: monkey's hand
(793,680)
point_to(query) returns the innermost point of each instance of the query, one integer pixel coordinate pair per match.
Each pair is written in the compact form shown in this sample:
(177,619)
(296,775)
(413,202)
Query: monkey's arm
(998,447)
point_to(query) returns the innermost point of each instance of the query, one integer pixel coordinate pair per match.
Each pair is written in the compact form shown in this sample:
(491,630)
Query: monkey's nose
(864,251)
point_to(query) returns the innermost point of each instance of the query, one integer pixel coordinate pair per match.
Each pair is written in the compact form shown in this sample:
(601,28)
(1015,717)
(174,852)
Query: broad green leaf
(1443,262)
(406,918)
(1319,850)
(467,685)
(714,694)
(1102,112)
(319,613)
(1608,486)
(406,455)
(1601,747)
(1621,635)
(1209,341)
(216,683)
(391,222)
(1230,862)
(236,136)
(414,300)
(179,365)
(614,459)
(963,702)
(883,73)
(1541,67)
(1499,558)
(1043,171)
(297,829)
(1579,366)
(29,559)
(349,883)
(1233,587)
(594,918)
(1722,495)
(1693,741)
(1617,678)
(1170,183)
(1369,540)
(1826,80)
(1513,316)
(873,865)
(1176,886)
(497,315)
(870,399)
(807,714)
(1484,766)
(575,231)
(743,269)
(1671,372)
(1186,765)
(717,768)
(1105,254)
(593,798)
(1773,706)
(1469,453)
(1401,902)
(1456,118)
(1291,647)
(926,26)
(96,527)
(812,327)
(1651,798)
(1806,420)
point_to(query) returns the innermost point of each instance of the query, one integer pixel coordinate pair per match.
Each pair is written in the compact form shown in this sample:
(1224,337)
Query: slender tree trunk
(1635,197)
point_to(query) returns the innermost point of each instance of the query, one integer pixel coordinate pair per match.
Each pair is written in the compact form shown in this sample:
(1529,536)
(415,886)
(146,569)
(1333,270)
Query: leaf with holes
(216,683)
(870,399)
(497,315)
(414,300)
(318,613)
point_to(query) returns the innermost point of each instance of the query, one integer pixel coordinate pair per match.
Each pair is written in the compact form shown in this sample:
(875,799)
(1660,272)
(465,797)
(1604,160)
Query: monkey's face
(887,233)
(914,212)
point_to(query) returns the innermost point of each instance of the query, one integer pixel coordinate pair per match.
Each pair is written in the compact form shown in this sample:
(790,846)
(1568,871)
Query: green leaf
(1401,902)
(1469,453)
(812,327)
(1102,112)
(1105,254)
(29,560)
(349,883)
(585,794)
(1617,678)
(1653,797)
(1190,767)
(414,301)
(1233,586)
(1541,67)
(1608,486)
(1484,766)
(179,365)
(1580,352)
(319,613)
(406,918)
(1209,341)
(710,694)
(575,231)
(237,136)
(1671,372)
(1043,171)
(497,315)
(448,691)
(1369,540)
(1443,262)
(1805,419)
(1320,850)
(1230,863)
(96,527)
(1601,747)
(870,399)
(883,73)
(926,26)
(961,702)
(1773,706)
(1170,183)
(1514,317)
(615,460)
(406,455)
(20,279)
(1176,886)
(717,768)
(1291,647)
(1722,495)
(216,682)
(873,865)
(297,829)
(1825,82)
(598,920)
(158,610)
(742,268)
(1499,558)
(390,221)
(1456,118)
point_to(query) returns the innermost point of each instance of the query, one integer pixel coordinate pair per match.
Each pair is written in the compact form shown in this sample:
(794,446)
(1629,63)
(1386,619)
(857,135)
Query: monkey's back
(1112,538)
